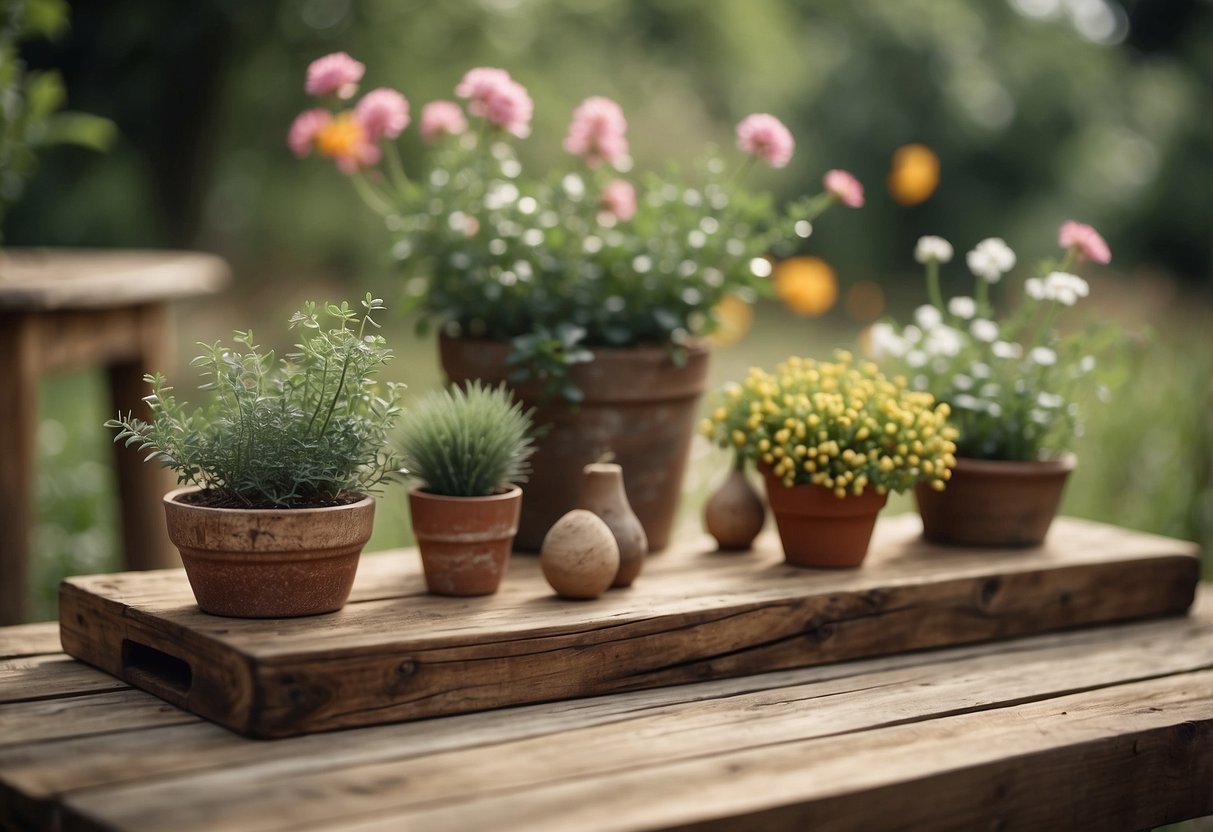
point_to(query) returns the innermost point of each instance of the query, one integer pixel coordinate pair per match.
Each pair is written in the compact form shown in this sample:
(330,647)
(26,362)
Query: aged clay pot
(735,513)
(819,529)
(465,542)
(269,563)
(603,494)
(995,502)
(639,405)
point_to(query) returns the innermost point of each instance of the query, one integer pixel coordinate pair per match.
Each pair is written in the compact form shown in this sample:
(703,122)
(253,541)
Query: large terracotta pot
(269,563)
(818,528)
(639,405)
(465,542)
(995,502)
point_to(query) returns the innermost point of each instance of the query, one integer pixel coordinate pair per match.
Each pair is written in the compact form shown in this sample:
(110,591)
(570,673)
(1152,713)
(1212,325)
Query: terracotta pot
(735,513)
(819,529)
(639,405)
(603,494)
(465,542)
(995,502)
(269,563)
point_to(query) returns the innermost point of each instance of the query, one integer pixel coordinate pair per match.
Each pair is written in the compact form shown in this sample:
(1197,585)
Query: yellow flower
(735,317)
(342,138)
(806,285)
(914,174)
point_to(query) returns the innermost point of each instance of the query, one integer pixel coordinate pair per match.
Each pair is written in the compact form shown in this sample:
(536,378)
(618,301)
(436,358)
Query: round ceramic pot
(639,406)
(269,563)
(995,502)
(818,528)
(735,513)
(465,542)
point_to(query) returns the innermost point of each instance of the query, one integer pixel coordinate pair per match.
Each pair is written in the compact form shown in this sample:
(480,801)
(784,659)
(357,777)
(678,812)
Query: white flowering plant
(1011,379)
(586,254)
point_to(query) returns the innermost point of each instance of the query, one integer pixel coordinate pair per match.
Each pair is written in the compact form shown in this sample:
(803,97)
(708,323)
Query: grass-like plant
(307,430)
(467,442)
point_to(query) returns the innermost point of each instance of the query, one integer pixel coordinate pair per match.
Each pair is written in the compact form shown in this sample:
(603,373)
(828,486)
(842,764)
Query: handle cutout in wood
(151,669)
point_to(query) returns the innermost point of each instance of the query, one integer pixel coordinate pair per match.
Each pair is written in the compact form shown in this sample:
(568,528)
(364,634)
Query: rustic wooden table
(76,308)
(1104,728)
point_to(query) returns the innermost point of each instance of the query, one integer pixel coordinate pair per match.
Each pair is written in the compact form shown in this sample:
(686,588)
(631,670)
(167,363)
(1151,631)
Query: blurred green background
(1038,110)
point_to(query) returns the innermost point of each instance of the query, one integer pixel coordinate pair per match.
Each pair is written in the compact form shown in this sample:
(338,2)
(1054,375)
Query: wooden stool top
(52,279)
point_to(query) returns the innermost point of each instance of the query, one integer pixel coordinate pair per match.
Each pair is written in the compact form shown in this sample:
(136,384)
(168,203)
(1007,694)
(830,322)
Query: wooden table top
(48,279)
(1104,728)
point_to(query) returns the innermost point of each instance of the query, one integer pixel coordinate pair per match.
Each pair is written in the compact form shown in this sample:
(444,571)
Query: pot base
(820,530)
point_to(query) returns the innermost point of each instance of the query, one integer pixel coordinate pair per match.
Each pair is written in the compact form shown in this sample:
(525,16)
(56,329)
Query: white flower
(943,340)
(966,402)
(980,370)
(1087,364)
(994,409)
(932,248)
(1043,356)
(1065,288)
(1035,287)
(1006,349)
(984,330)
(962,382)
(1049,400)
(884,341)
(928,317)
(991,259)
(962,307)
(912,334)
(916,358)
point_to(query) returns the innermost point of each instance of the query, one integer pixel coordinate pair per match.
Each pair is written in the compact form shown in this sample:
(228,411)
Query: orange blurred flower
(806,285)
(914,174)
(735,316)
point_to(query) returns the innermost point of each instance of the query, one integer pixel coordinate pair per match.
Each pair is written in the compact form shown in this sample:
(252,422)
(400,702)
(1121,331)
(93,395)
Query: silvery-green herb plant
(309,429)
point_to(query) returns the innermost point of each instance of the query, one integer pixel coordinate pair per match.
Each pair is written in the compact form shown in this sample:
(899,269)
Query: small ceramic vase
(603,494)
(735,512)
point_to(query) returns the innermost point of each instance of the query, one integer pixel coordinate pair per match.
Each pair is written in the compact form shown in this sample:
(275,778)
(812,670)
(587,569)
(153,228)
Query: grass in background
(1146,461)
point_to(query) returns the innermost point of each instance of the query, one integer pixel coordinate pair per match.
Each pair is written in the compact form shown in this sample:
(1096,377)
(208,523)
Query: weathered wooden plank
(384,771)
(78,716)
(53,676)
(693,617)
(29,639)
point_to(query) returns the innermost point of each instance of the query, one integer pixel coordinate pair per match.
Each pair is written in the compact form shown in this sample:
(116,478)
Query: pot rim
(1065,463)
(695,346)
(171,498)
(509,493)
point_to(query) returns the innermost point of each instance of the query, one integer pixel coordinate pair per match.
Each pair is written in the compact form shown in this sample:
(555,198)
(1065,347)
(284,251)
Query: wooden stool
(70,309)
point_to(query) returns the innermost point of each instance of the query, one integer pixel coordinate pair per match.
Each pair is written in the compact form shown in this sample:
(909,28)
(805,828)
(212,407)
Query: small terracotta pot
(995,502)
(818,528)
(269,563)
(639,406)
(465,542)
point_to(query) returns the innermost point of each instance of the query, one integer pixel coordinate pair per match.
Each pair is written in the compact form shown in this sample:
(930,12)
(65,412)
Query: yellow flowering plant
(838,424)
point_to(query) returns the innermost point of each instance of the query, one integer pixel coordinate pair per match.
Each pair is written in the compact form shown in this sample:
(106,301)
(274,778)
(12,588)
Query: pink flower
(336,74)
(764,136)
(384,113)
(441,118)
(365,155)
(844,186)
(1085,240)
(597,132)
(493,95)
(619,199)
(302,135)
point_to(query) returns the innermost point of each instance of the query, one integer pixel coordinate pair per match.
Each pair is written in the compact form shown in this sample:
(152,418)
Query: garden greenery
(309,430)
(467,442)
(837,425)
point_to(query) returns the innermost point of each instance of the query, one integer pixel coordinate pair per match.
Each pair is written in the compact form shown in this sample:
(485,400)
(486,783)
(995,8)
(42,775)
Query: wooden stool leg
(18,427)
(141,485)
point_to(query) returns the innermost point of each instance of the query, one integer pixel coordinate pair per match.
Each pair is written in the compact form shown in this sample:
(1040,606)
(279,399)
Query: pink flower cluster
(1085,241)
(766,137)
(350,138)
(619,199)
(597,132)
(442,118)
(496,97)
(845,187)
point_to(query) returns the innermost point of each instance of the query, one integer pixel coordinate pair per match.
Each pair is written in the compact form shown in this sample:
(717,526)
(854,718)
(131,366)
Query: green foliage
(467,442)
(30,101)
(296,432)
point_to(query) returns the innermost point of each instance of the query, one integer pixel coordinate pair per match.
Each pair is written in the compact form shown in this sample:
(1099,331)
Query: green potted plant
(466,448)
(279,466)
(832,439)
(1011,380)
(589,288)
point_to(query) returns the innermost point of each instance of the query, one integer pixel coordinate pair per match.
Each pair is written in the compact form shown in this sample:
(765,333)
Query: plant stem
(373,199)
(396,168)
(933,293)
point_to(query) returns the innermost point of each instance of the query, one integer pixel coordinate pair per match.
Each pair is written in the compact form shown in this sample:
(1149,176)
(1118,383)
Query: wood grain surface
(395,653)
(1102,728)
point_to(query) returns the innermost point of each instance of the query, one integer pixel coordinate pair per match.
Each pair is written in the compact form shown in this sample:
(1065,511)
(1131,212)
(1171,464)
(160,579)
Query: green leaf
(44,19)
(44,94)
(83,130)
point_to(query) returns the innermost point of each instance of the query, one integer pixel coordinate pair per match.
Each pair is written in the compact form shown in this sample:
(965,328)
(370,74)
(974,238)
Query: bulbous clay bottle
(603,494)
(734,514)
